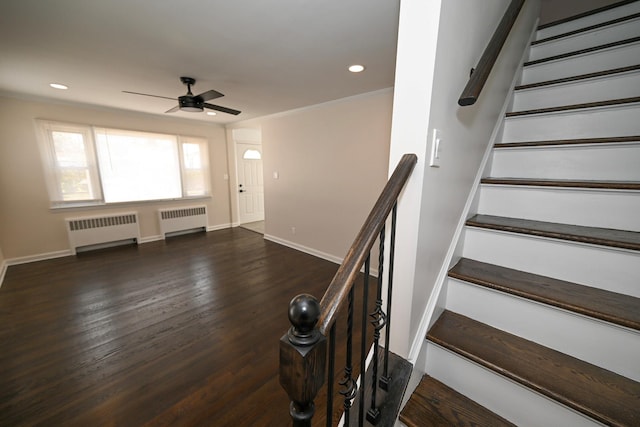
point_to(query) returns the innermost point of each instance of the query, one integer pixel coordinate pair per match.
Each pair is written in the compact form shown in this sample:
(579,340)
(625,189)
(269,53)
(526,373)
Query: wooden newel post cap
(303,355)
(304,312)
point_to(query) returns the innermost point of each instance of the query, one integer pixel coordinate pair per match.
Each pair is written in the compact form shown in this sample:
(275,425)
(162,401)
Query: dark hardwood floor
(182,333)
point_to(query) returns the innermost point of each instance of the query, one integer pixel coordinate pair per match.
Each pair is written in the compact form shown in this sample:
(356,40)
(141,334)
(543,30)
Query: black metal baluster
(363,338)
(350,386)
(332,363)
(385,379)
(378,321)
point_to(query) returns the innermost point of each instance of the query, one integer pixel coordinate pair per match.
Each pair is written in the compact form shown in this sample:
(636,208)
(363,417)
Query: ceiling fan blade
(146,94)
(210,94)
(173,110)
(222,109)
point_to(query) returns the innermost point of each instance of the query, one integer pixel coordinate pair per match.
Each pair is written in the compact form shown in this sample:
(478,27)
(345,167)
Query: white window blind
(70,163)
(138,166)
(195,167)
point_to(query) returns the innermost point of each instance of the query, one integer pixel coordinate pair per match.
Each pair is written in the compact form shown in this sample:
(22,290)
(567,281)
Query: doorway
(250,185)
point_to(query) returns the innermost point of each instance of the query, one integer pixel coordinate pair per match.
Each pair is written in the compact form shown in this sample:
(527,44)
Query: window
(252,155)
(70,163)
(88,165)
(195,167)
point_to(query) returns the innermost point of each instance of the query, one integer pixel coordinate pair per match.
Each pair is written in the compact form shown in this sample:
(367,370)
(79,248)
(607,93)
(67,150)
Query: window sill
(90,205)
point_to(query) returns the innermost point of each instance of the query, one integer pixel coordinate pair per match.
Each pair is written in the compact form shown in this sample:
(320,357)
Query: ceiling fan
(194,103)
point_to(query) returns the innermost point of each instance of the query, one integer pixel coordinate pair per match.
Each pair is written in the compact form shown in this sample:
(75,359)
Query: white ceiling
(266,56)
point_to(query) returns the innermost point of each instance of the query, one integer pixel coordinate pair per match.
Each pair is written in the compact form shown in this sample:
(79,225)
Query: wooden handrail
(480,74)
(304,349)
(343,280)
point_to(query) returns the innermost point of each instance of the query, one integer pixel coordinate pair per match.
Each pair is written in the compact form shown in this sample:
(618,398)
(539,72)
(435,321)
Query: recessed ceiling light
(58,86)
(356,68)
(211,113)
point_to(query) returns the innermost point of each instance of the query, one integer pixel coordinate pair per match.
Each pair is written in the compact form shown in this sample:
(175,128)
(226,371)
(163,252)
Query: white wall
(331,160)
(433,63)
(415,66)
(28,227)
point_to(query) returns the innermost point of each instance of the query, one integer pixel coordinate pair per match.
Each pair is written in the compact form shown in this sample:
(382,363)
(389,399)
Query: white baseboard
(373,272)
(3,270)
(150,239)
(157,237)
(220,226)
(31,258)
(39,257)
(68,252)
(304,249)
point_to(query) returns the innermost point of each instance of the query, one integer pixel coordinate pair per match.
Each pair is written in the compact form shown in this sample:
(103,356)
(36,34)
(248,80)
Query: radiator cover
(182,219)
(95,230)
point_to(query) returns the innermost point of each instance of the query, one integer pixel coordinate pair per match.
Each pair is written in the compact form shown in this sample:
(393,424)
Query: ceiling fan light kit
(194,103)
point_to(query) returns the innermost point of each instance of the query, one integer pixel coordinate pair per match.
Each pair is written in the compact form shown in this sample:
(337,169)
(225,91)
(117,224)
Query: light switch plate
(436,148)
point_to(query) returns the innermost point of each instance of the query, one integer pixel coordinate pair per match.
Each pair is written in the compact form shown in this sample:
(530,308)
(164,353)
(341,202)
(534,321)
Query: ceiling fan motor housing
(190,103)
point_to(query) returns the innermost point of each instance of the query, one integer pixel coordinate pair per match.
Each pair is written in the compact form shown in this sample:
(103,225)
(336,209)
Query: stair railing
(311,340)
(480,73)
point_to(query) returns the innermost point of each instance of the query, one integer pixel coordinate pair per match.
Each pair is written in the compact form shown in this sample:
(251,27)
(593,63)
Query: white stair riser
(591,208)
(610,269)
(608,59)
(609,34)
(594,162)
(506,398)
(590,123)
(601,89)
(599,343)
(587,21)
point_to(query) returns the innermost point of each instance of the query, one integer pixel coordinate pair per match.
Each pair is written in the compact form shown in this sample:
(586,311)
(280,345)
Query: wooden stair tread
(607,103)
(603,395)
(578,141)
(587,13)
(586,76)
(434,404)
(576,233)
(564,183)
(623,310)
(583,51)
(587,29)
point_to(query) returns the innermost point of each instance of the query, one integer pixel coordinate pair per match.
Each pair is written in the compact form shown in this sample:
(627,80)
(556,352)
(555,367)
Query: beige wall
(553,10)
(332,162)
(28,227)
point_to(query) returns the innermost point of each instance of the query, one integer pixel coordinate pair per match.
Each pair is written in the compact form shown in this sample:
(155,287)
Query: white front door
(250,184)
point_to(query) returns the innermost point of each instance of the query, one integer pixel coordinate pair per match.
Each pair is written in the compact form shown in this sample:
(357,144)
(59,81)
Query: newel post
(303,355)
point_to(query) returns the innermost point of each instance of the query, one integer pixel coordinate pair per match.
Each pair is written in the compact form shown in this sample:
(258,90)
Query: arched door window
(251,154)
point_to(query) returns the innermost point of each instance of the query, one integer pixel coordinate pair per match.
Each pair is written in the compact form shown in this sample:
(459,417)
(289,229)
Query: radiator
(97,230)
(182,219)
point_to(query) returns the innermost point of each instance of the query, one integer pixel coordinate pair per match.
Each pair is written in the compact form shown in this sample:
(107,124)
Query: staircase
(541,325)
